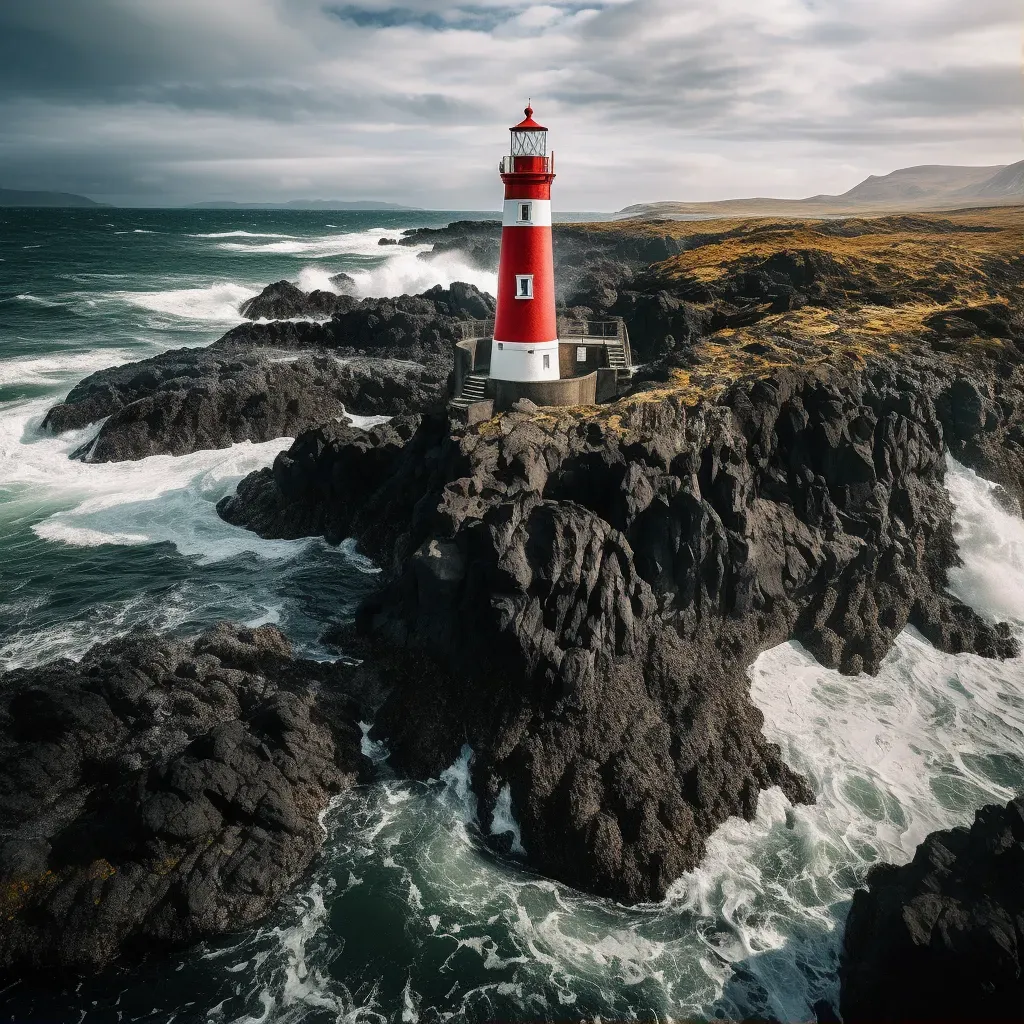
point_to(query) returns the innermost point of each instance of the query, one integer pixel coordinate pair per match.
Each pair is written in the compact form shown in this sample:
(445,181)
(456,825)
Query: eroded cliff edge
(577,593)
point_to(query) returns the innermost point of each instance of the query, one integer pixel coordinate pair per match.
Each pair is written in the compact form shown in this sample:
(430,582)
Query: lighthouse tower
(525,346)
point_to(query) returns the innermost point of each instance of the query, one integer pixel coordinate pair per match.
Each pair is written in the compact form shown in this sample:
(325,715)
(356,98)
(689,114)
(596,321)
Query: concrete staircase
(616,355)
(474,389)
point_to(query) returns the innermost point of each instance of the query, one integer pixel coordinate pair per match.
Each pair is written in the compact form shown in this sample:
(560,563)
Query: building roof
(528,125)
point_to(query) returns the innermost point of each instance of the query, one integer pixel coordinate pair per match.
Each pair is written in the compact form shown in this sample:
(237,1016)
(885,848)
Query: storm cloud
(169,101)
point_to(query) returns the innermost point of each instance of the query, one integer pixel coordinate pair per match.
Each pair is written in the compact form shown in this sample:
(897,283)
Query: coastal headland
(575,594)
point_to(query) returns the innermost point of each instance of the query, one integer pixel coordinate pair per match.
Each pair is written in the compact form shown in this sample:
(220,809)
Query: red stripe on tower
(525,343)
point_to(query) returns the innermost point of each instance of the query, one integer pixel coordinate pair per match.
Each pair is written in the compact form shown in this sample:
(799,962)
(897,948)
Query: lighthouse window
(547,362)
(525,212)
(524,286)
(529,143)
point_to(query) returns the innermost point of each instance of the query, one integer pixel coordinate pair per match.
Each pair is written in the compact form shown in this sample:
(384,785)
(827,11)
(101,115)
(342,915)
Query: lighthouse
(525,344)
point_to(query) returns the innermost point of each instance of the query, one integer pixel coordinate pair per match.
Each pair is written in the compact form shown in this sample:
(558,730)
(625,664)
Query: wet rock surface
(160,791)
(322,484)
(267,380)
(356,319)
(282,300)
(585,594)
(942,938)
(188,400)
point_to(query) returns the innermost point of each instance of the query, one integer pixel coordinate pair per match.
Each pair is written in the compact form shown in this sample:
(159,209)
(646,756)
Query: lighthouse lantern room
(525,345)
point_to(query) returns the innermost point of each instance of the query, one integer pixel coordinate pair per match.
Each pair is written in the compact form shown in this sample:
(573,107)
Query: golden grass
(1006,218)
(916,251)
(962,258)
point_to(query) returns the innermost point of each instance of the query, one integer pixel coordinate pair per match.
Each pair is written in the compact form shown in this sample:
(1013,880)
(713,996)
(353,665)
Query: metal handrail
(476,329)
(605,330)
(507,165)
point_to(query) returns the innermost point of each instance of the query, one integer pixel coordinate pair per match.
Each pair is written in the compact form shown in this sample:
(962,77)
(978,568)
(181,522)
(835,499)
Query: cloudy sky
(167,101)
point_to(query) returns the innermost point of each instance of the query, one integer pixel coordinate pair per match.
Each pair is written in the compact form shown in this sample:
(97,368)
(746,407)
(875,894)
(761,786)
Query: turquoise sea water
(407,916)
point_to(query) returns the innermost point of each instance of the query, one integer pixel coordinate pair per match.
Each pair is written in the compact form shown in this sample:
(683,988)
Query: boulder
(284,300)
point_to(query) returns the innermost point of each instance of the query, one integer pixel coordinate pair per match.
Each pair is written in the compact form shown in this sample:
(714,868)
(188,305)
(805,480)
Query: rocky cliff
(584,588)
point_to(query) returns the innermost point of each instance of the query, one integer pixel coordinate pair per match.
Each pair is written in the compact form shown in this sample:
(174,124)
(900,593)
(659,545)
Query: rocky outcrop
(322,484)
(397,356)
(585,592)
(193,399)
(161,791)
(282,300)
(585,588)
(942,938)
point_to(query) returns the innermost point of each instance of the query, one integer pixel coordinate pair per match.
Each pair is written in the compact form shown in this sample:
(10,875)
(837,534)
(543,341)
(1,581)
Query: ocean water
(407,916)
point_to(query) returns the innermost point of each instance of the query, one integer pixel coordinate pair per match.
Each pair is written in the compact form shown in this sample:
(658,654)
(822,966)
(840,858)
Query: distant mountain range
(17,197)
(929,187)
(306,204)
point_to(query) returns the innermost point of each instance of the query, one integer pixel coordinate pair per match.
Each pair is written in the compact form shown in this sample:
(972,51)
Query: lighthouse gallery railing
(608,331)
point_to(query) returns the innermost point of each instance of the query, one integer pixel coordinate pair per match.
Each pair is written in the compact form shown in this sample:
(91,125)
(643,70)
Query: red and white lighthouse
(525,346)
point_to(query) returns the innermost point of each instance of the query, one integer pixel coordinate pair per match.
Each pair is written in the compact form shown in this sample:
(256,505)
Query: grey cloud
(174,97)
(955,89)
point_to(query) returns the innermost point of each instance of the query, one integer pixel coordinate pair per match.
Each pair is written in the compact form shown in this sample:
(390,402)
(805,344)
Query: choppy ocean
(407,916)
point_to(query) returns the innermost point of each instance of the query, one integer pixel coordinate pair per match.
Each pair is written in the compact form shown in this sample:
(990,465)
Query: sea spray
(406,273)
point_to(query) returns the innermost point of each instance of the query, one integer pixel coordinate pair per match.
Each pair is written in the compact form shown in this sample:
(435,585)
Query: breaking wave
(242,234)
(60,367)
(216,303)
(406,273)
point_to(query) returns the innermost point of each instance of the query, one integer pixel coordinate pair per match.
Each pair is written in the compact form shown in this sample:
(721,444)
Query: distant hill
(306,204)
(911,184)
(16,197)
(1008,182)
(929,187)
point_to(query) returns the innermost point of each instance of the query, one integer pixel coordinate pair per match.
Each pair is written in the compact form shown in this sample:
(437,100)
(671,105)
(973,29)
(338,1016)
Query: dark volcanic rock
(240,388)
(942,938)
(192,399)
(283,299)
(423,328)
(322,484)
(584,594)
(161,791)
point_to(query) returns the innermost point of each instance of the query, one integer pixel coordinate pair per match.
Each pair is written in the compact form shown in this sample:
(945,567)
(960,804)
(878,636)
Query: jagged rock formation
(584,588)
(187,400)
(161,791)
(322,484)
(398,356)
(942,938)
(282,300)
(587,592)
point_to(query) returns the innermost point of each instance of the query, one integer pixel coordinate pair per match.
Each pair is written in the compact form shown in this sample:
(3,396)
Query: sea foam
(216,303)
(408,273)
(61,367)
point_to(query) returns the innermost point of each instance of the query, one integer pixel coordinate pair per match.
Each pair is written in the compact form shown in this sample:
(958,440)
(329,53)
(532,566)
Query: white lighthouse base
(520,361)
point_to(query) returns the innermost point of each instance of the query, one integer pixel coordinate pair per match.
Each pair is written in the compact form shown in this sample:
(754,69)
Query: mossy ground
(879,282)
